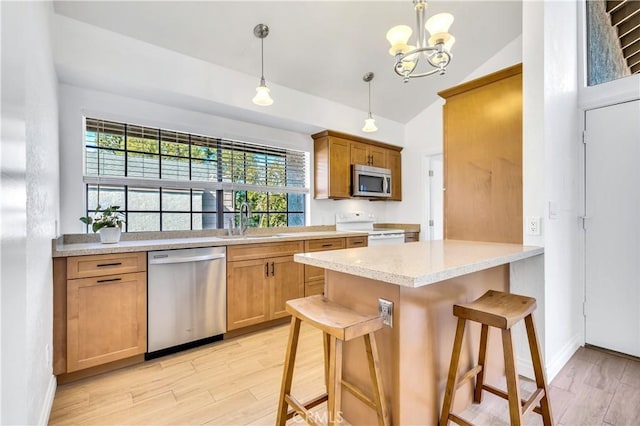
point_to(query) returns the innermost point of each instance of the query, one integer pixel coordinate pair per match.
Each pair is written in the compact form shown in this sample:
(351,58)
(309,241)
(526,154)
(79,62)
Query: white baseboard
(554,363)
(558,360)
(48,401)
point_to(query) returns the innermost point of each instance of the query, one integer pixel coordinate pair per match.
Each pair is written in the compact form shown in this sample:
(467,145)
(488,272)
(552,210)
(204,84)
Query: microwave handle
(385,185)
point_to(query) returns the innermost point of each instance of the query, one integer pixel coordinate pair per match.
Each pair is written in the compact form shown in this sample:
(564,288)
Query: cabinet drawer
(263,250)
(313,287)
(410,237)
(357,242)
(105,264)
(324,244)
(312,273)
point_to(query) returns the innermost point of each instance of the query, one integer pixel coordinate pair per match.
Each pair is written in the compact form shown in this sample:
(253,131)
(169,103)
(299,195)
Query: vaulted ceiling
(322,48)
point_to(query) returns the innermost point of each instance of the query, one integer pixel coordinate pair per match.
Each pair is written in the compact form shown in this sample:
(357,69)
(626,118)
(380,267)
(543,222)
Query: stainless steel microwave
(368,181)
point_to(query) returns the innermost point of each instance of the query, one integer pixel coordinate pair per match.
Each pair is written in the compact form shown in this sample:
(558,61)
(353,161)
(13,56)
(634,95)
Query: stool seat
(497,309)
(332,318)
(338,324)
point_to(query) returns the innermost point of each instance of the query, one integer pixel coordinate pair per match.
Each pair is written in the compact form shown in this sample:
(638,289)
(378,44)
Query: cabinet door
(394,163)
(286,281)
(339,169)
(247,293)
(106,319)
(359,153)
(377,156)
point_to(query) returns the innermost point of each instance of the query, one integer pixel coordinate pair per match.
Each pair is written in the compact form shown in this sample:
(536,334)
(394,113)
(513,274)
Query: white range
(363,222)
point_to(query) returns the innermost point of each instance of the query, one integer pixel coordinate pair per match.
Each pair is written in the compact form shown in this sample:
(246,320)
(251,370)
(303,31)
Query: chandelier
(429,55)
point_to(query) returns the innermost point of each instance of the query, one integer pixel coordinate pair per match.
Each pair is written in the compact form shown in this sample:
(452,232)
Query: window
(166,180)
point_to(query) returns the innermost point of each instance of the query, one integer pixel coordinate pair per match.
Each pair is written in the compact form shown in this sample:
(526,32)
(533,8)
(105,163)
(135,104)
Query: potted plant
(107,222)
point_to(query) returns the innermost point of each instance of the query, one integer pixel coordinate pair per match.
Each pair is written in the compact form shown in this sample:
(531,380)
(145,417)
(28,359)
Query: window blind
(120,153)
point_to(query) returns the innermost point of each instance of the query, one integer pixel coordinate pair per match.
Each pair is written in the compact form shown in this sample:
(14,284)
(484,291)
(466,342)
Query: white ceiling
(318,47)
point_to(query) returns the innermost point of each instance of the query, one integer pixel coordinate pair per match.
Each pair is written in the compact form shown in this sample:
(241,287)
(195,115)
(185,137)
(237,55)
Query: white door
(612,184)
(434,207)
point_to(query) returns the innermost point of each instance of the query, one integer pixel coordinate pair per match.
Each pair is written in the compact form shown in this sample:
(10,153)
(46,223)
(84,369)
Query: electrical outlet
(533,225)
(385,310)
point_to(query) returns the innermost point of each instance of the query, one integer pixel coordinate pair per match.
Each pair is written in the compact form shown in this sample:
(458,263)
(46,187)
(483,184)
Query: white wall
(188,95)
(30,210)
(76,102)
(551,173)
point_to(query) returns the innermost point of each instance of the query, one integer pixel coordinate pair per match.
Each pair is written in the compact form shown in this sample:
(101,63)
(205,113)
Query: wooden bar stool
(338,325)
(500,310)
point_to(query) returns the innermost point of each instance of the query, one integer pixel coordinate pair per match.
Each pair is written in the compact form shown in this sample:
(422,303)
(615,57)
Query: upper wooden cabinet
(369,155)
(332,168)
(335,153)
(483,158)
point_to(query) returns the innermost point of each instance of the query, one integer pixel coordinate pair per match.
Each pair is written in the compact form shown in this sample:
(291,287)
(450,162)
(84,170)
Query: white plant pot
(109,235)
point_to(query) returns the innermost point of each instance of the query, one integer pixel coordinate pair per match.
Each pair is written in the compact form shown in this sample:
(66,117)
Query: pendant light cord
(369,98)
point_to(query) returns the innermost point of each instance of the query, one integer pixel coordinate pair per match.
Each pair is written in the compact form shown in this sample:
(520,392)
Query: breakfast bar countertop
(420,263)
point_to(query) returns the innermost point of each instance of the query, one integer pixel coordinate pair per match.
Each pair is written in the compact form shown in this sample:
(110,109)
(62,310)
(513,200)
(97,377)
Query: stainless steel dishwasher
(187,298)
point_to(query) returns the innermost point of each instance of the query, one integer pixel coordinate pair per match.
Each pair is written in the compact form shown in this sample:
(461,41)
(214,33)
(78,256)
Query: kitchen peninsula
(423,280)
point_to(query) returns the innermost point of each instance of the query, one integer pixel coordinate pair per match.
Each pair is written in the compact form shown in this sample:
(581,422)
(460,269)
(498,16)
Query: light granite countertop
(420,263)
(61,249)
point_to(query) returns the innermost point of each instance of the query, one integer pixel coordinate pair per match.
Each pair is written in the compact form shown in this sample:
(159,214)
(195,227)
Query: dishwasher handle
(169,260)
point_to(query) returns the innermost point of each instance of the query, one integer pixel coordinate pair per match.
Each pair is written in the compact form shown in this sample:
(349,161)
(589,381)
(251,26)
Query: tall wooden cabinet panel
(483,158)
(260,279)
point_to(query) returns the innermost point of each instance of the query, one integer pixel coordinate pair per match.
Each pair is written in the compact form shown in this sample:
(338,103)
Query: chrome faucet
(244,223)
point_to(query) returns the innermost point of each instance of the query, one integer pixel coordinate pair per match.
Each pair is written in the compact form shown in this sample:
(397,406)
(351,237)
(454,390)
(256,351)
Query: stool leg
(326,344)
(452,379)
(513,388)
(538,369)
(376,379)
(287,374)
(335,381)
(482,354)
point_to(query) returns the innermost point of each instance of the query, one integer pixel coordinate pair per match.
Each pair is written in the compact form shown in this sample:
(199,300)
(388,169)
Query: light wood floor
(237,381)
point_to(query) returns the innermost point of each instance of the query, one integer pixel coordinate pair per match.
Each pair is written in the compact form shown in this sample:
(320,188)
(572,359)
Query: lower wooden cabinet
(314,276)
(258,288)
(100,312)
(106,319)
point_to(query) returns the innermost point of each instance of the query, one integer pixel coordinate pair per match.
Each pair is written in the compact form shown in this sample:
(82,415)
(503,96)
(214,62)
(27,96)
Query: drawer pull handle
(110,280)
(100,265)
(356,243)
(327,245)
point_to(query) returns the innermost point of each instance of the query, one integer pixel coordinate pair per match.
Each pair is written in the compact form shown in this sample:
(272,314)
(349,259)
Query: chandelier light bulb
(439,23)
(262,96)
(398,37)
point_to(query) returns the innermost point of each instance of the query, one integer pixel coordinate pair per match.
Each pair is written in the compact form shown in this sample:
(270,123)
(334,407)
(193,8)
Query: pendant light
(262,96)
(369,123)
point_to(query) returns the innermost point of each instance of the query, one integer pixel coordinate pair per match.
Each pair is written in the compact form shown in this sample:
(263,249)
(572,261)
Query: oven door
(371,182)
